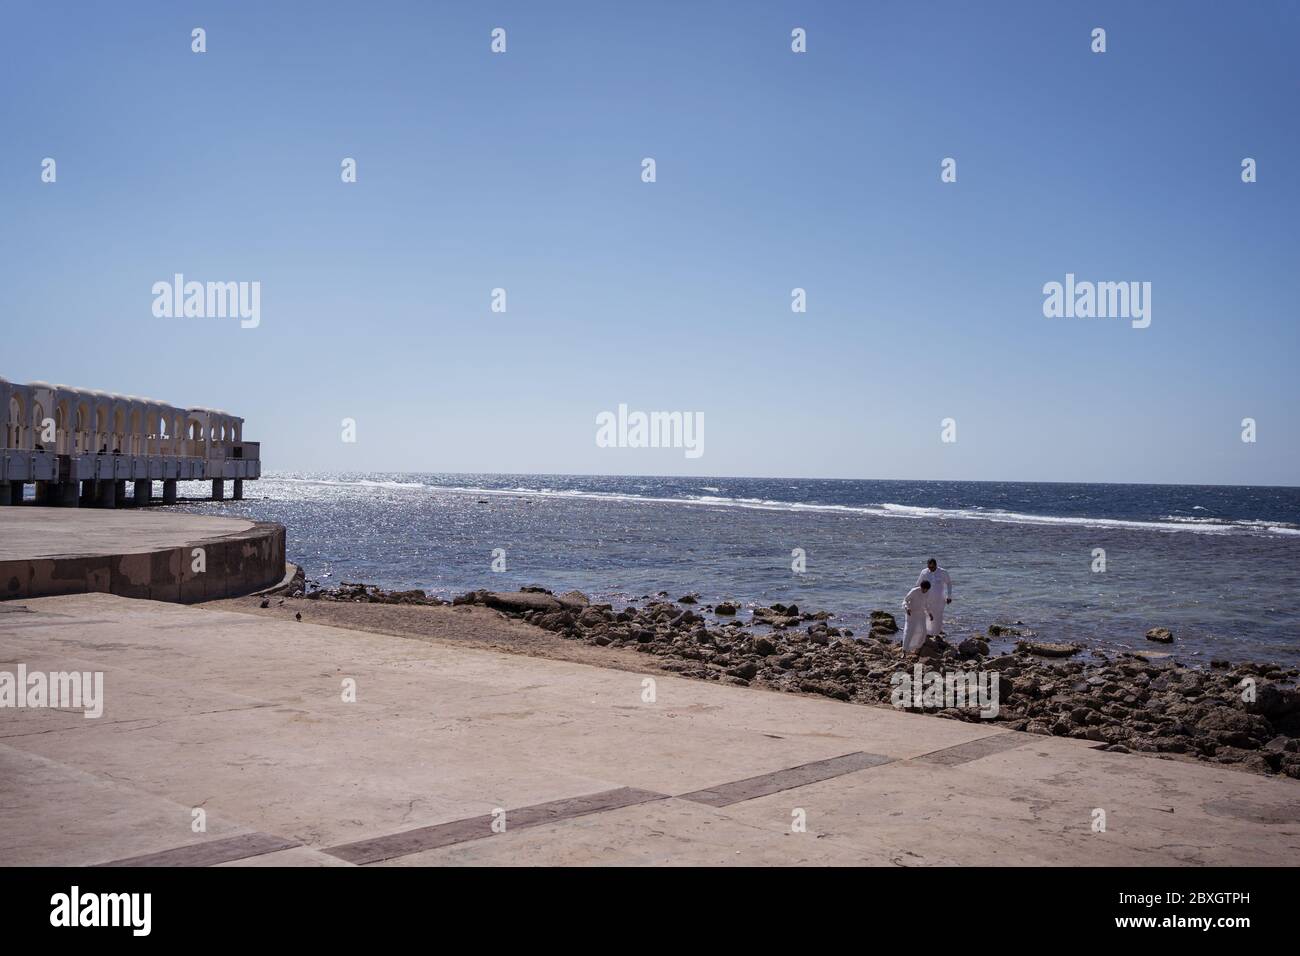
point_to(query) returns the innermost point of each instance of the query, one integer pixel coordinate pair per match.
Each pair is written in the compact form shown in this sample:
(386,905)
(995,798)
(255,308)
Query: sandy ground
(463,625)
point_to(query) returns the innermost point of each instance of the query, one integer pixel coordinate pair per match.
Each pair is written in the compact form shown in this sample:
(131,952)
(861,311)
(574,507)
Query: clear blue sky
(775,170)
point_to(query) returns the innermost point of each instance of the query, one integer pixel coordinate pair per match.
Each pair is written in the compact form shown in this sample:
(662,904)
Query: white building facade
(81,446)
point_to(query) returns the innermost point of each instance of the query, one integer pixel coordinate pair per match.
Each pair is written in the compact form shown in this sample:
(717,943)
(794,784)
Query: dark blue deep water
(1220,566)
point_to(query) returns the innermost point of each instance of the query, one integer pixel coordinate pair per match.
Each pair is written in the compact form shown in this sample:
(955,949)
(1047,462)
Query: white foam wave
(1168,523)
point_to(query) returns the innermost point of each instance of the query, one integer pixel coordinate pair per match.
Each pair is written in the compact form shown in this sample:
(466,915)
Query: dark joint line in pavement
(241,847)
(762,785)
(975,749)
(477,828)
(469,829)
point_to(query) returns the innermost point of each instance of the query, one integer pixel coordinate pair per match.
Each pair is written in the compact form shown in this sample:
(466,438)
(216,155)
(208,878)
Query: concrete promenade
(147,554)
(243,717)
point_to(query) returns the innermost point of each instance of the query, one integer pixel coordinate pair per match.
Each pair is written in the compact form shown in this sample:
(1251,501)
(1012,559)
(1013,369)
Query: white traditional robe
(914,630)
(940,591)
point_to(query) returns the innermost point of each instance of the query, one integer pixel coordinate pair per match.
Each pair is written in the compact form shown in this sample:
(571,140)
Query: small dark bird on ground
(265,603)
(297,615)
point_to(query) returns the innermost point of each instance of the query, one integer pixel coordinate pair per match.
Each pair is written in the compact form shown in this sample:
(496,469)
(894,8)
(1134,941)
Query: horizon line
(271,473)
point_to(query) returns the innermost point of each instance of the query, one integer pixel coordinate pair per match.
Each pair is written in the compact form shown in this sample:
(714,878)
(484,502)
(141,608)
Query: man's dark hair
(925,585)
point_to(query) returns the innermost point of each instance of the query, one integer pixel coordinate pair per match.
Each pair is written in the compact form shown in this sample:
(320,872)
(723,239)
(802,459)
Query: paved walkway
(242,716)
(32,532)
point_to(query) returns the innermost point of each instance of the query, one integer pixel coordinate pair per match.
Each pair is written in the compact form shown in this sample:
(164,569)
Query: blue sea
(1218,565)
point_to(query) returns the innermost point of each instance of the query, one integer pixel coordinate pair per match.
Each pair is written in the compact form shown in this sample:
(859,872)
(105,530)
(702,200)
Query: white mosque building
(80,446)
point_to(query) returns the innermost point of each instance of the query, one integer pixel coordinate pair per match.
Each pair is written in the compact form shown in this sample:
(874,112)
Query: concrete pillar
(106,494)
(239,489)
(169,491)
(143,492)
(15,493)
(218,489)
(67,494)
(88,493)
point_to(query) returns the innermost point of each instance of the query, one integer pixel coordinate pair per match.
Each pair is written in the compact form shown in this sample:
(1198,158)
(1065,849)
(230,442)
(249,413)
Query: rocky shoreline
(1245,715)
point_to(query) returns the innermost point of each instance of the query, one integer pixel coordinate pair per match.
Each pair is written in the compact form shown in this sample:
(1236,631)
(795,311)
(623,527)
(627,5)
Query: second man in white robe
(940,594)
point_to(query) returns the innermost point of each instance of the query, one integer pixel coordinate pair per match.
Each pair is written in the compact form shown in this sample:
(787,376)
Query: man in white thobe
(916,604)
(940,593)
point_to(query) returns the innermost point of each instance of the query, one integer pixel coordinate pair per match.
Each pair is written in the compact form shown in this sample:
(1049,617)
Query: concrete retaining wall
(233,564)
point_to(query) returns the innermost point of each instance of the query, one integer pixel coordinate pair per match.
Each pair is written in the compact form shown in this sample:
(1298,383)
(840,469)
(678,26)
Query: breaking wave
(1166,523)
